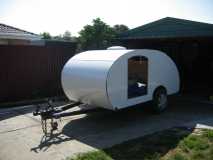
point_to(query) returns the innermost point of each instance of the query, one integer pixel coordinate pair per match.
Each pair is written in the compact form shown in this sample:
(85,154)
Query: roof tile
(9,29)
(169,28)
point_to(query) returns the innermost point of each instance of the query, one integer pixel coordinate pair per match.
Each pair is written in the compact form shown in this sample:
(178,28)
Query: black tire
(160,100)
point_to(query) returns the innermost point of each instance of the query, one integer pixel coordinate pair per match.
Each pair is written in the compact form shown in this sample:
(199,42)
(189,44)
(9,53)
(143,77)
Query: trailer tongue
(53,113)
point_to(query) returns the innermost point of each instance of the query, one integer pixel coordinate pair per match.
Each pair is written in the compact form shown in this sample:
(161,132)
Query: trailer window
(137,76)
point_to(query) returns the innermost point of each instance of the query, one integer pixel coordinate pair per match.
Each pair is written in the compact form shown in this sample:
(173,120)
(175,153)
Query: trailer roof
(100,55)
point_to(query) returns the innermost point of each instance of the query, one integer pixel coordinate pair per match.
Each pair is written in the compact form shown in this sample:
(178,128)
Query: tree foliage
(67,36)
(46,35)
(99,35)
(120,28)
(58,37)
(95,36)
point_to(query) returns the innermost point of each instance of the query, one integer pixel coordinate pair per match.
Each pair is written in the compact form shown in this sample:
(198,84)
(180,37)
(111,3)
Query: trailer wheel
(160,101)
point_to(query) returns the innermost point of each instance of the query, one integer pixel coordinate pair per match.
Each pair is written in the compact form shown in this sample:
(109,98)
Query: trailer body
(116,79)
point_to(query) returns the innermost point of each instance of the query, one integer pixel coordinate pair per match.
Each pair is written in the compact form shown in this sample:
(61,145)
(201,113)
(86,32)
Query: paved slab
(21,136)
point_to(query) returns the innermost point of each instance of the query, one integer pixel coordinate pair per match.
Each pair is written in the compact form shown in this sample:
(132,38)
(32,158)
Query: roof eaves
(145,26)
(21,30)
(19,36)
(164,37)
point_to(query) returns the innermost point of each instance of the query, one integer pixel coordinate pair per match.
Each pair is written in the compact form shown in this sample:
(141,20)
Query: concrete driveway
(21,136)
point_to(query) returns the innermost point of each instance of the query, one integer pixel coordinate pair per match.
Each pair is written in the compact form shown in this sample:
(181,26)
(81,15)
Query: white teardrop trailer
(116,78)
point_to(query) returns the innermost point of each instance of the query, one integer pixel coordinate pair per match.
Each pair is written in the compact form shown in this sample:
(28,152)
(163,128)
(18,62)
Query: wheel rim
(162,101)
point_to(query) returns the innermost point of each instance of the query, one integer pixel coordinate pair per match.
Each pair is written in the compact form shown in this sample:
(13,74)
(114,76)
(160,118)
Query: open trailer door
(137,76)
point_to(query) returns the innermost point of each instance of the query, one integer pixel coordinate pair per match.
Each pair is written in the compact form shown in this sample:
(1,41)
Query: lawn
(172,144)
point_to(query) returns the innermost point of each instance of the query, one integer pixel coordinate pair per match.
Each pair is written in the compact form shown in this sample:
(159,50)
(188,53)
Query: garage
(188,43)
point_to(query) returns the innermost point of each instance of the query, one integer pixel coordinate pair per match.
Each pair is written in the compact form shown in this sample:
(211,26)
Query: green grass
(98,155)
(173,144)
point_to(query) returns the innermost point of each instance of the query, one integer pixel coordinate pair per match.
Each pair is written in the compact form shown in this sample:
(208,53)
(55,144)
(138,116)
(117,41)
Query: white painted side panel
(161,72)
(85,81)
(118,83)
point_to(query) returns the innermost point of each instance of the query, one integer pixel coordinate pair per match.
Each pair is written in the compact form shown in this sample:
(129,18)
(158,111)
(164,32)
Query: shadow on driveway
(104,129)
